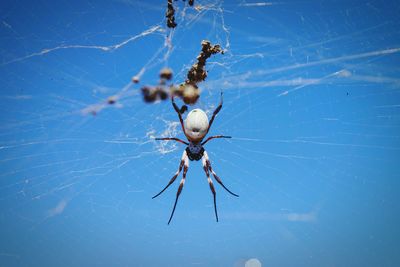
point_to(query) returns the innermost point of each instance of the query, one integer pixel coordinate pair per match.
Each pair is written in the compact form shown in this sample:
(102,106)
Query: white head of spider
(195,128)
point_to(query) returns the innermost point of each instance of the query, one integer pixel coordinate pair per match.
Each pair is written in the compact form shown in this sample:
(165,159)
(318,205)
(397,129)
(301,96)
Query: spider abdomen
(196,125)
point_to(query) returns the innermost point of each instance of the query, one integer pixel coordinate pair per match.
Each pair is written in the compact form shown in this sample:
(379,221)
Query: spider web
(311,98)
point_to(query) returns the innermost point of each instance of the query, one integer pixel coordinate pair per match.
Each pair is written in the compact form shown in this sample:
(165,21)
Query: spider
(195,128)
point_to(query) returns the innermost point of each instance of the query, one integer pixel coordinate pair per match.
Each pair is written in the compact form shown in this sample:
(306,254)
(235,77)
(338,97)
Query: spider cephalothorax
(195,128)
(195,151)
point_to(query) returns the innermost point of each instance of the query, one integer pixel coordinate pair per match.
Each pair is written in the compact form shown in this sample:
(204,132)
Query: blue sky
(311,99)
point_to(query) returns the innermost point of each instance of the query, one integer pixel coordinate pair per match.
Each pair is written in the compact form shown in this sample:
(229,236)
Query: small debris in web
(166,74)
(188,91)
(159,92)
(191,94)
(197,73)
(111,100)
(135,79)
(170,15)
(96,108)
(162,93)
(151,94)
(191,2)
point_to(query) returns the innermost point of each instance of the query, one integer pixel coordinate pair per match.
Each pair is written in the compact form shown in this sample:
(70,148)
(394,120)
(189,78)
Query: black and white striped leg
(179,115)
(205,167)
(185,169)
(215,113)
(183,159)
(172,139)
(213,137)
(205,156)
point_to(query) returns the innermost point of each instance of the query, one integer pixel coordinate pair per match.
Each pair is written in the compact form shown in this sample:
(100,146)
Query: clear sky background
(311,98)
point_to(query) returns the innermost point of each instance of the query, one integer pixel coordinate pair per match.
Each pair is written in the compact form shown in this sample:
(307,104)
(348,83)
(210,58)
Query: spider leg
(215,136)
(215,175)
(172,139)
(215,112)
(179,114)
(185,169)
(183,159)
(205,167)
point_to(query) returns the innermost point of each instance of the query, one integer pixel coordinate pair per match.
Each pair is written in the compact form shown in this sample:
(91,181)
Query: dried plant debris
(191,2)
(112,100)
(135,79)
(159,92)
(197,72)
(191,94)
(189,90)
(166,74)
(170,15)
(96,108)
(151,94)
